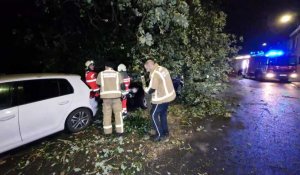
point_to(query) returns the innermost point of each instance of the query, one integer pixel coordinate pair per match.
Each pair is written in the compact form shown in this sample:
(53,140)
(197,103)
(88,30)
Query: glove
(134,90)
(143,81)
(124,93)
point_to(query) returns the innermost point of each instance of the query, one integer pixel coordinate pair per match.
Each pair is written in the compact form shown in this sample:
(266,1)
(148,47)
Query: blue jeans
(159,118)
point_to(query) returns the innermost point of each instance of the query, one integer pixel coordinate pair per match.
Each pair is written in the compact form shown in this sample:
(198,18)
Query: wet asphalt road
(268,141)
(262,137)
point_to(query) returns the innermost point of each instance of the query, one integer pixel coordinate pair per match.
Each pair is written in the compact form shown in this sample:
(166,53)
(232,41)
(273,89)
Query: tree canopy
(185,36)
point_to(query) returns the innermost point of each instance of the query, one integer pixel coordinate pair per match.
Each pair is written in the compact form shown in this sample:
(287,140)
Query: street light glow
(286,18)
(264,44)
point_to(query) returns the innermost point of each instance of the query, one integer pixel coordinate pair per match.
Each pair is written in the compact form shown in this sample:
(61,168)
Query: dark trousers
(159,118)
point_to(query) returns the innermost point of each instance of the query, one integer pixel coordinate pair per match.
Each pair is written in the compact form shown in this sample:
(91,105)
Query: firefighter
(90,78)
(162,90)
(110,82)
(126,81)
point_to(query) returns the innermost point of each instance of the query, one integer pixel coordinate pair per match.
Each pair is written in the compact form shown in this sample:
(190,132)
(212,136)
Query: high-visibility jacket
(161,81)
(90,79)
(110,82)
(126,80)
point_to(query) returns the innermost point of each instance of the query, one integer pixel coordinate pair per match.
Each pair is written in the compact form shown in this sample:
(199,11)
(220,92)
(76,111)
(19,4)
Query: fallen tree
(187,37)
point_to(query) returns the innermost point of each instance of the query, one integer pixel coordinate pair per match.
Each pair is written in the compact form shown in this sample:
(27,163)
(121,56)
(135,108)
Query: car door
(41,109)
(9,124)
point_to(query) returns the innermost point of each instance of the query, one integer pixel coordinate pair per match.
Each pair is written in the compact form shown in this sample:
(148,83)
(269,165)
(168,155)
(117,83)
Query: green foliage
(185,36)
(137,123)
(161,33)
(189,40)
(207,107)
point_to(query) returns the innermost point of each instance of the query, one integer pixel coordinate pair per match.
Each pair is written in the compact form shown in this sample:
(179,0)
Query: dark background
(255,20)
(15,56)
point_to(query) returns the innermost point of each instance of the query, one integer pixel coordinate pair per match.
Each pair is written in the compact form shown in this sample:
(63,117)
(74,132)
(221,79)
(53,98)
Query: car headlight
(293,75)
(270,75)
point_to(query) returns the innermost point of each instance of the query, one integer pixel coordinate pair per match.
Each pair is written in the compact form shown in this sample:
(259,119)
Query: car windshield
(283,61)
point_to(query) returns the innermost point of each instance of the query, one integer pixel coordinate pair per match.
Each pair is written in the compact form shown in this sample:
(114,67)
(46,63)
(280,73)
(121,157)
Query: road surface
(262,137)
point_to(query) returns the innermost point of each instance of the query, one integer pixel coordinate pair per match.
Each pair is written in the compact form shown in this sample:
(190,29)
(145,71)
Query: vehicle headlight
(293,75)
(270,75)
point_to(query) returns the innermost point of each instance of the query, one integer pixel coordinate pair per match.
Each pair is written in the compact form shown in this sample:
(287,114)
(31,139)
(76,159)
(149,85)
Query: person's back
(110,81)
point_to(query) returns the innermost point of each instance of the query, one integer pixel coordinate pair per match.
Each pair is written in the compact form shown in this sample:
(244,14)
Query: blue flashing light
(274,53)
(257,53)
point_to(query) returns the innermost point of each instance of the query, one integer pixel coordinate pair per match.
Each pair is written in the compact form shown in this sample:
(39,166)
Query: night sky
(255,20)
(252,19)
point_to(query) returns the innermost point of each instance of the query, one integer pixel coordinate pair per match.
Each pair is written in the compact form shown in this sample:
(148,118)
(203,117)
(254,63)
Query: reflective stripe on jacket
(110,82)
(161,81)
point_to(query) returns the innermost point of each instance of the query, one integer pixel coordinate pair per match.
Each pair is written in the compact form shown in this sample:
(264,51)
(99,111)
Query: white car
(33,106)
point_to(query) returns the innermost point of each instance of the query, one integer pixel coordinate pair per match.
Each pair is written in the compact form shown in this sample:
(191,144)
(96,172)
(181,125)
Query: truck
(272,65)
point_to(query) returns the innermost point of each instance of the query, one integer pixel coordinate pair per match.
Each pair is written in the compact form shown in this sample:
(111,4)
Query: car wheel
(78,120)
(143,103)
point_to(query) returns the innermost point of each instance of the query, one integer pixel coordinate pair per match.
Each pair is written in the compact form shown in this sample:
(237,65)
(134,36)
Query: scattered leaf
(120,150)
(77,169)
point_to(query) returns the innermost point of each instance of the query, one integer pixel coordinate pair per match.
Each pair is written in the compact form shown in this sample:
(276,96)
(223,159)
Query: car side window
(65,87)
(6,95)
(36,90)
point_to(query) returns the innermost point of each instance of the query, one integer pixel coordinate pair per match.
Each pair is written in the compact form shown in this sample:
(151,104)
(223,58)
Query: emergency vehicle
(272,65)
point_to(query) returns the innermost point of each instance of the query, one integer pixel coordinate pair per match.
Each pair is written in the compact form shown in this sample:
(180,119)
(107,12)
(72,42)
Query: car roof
(19,77)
